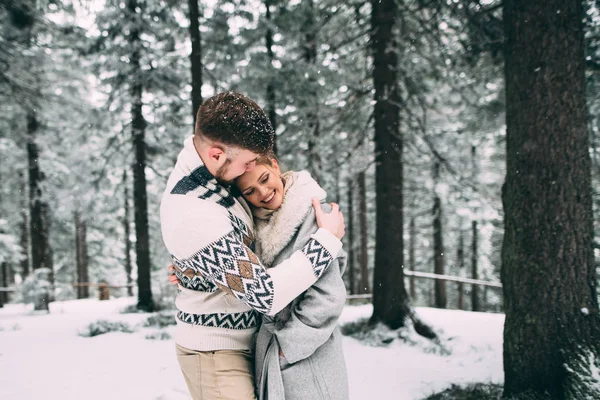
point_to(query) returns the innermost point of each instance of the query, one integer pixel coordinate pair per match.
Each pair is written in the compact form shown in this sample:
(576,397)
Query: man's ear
(216,153)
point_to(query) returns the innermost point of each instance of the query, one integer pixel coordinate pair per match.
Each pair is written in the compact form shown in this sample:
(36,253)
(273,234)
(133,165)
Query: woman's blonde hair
(267,159)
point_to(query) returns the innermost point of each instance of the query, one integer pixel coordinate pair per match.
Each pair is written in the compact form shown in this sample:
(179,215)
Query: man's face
(235,165)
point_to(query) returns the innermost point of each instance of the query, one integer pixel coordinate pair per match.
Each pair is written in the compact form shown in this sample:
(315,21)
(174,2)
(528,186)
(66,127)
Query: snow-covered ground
(43,356)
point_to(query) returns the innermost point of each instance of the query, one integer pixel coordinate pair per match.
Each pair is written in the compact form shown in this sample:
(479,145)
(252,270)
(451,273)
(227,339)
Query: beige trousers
(217,375)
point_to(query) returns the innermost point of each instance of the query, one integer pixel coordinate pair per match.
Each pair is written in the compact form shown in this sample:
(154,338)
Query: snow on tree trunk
(38,289)
(552,328)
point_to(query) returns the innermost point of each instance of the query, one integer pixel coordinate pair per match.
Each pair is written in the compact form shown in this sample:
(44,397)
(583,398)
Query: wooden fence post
(103,291)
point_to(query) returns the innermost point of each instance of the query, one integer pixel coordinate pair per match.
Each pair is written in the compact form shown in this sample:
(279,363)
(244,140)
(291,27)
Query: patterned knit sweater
(224,286)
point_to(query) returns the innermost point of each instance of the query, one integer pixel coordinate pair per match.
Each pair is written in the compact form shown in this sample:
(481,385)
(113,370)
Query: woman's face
(262,186)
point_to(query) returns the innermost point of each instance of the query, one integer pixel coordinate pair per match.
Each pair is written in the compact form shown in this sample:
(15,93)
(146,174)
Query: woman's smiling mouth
(271,197)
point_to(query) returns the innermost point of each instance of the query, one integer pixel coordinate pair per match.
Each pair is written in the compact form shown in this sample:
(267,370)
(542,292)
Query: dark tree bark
(460,258)
(4,265)
(552,328)
(23,228)
(271,107)
(127,231)
(38,222)
(350,237)
(484,297)
(140,197)
(475,306)
(439,260)
(4,282)
(411,258)
(390,300)
(81,256)
(311,107)
(363,283)
(475,300)
(195,55)
(24,13)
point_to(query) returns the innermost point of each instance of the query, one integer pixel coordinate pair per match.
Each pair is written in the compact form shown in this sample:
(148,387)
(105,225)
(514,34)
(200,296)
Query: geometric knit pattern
(242,229)
(206,186)
(232,266)
(191,280)
(318,256)
(243,320)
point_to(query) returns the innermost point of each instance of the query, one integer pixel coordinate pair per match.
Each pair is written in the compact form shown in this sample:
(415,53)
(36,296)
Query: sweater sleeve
(228,263)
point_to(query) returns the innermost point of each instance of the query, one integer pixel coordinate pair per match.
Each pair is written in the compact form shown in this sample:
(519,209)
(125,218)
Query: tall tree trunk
(475,301)
(350,237)
(127,231)
(411,258)
(336,172)
(3,283)
(439,260)
(140,198)
(4,264)
(475,306)
(363,284)
(552,327)
(390,300)
(484,298)
(24,13)
(48,257)
(460,258)
(195,56)
(311,106)
(81,256)
(271,107)
(23,228)
(38,212)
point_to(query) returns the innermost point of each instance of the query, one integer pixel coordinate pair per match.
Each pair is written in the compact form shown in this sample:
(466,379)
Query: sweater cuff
(331,243)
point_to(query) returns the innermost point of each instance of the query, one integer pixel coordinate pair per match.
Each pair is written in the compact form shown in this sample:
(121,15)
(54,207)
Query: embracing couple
(259,262)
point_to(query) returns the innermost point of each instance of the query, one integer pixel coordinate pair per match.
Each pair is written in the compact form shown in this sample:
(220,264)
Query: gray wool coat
(313,365)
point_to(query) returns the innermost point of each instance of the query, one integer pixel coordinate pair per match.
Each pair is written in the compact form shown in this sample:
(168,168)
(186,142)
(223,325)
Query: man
(209,234)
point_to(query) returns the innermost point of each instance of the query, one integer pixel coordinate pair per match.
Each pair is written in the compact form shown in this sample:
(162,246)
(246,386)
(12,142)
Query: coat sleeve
(314,317)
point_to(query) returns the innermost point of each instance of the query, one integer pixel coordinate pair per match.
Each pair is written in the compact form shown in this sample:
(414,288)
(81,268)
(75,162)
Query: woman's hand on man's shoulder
(332,221)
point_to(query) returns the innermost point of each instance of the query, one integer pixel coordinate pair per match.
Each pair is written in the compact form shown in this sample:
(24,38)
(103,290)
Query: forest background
(96,98)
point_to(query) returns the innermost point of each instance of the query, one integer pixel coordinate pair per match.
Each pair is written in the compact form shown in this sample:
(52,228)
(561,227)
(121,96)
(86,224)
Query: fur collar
(275,233)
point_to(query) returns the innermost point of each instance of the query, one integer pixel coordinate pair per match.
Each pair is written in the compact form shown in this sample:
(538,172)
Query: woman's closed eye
(262,181)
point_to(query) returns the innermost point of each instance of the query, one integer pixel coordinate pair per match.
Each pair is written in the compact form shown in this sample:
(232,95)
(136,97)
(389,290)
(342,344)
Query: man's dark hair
(233,119)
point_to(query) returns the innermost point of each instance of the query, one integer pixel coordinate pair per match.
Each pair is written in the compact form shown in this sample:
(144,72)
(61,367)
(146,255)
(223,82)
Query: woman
(298,351)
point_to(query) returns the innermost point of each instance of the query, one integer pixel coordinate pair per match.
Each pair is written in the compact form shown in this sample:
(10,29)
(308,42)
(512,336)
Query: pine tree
(390,300)
(195,55)
(552,327)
